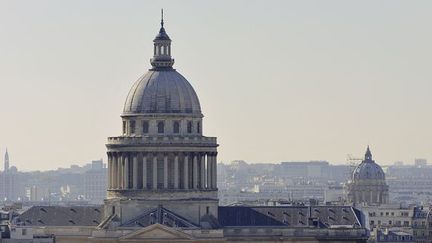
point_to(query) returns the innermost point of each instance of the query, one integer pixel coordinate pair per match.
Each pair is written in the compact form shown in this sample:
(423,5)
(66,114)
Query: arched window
(161,127)
(145,126)
(132,127)
(176,127)
(198,127)
(189,127)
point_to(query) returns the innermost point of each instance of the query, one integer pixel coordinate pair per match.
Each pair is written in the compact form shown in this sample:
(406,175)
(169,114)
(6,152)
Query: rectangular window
(176,127)
(161,127)
(132,127)
(145,126)
(189,127)
(124,127)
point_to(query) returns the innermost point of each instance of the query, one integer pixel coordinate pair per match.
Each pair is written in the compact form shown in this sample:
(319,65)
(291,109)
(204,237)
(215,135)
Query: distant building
(420,162)
(420,224)
(394,236)
(6,161)
(368,184)
(9,182)
(389,216)
(95,182)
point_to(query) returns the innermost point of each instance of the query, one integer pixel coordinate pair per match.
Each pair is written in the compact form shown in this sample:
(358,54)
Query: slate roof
(236,216)
(291,216)
(61,216)
(162,91)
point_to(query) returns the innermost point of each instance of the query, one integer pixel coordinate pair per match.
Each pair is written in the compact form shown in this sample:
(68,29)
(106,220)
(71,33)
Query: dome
(368,169)
(162,91)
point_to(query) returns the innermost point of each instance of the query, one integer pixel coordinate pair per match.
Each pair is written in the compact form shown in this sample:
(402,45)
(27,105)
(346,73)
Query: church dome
(162,90)
(368,169)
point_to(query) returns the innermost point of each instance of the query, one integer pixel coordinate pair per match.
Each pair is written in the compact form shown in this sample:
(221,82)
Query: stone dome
(162,91)
(368,169)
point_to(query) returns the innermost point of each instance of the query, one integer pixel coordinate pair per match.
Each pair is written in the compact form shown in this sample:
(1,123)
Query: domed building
(162,160)
(368,183)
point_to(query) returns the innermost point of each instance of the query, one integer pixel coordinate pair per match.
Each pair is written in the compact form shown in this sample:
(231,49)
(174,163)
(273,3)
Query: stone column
(144,171)
(195,171)
(176,172)
(121,162)
(118,171)
(203,172)
(155,179)
(135,171)
(126,172)
(209,171)
(165,171)
(214,170)
(110,170)
(114,171)
(186,172)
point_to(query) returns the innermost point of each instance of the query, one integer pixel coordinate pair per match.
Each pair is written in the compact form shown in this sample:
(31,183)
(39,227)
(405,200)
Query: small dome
(368,170)
(162,91)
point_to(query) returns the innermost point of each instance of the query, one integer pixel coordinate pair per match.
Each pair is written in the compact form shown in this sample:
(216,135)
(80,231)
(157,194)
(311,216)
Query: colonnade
(151,171)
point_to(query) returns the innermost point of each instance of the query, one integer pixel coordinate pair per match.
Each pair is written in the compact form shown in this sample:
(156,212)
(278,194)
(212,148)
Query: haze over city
(305,80)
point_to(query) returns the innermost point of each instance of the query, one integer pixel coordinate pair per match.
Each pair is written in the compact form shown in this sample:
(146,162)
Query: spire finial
(162,22)
(368,155)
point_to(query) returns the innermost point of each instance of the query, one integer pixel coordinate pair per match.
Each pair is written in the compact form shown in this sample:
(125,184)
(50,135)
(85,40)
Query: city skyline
(327,81)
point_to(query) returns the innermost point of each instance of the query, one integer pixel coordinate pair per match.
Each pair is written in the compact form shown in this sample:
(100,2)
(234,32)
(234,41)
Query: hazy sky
(277,80)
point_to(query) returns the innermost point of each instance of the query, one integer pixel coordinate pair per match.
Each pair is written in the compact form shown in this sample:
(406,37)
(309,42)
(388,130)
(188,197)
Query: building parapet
(156,140)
